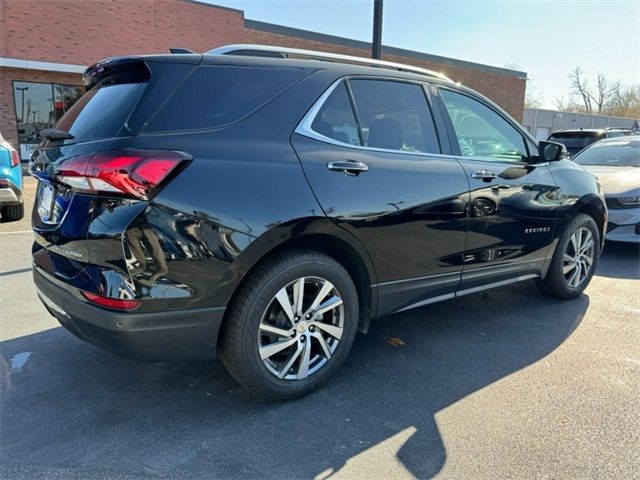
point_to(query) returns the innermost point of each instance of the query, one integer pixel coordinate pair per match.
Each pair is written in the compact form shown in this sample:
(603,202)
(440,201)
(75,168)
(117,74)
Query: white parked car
(616,163)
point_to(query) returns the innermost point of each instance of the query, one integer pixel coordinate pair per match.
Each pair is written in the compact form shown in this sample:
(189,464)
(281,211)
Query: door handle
(485,175)
(350,167)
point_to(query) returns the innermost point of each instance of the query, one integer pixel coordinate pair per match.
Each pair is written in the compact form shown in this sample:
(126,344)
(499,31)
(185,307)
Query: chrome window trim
(304,127)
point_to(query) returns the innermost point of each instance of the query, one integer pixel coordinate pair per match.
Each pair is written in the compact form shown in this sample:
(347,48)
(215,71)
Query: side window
(214,96)
(394,115)
(335,119)
(481,132)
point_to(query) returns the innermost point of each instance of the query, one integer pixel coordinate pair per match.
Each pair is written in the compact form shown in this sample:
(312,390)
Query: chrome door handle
(350,167)
(485,175)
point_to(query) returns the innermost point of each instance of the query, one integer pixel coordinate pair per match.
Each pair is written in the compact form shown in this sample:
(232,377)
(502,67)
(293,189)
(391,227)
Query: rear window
(576,140)
(214,96)
(101,112)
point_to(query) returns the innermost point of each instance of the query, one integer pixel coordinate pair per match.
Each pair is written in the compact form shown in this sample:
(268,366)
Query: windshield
(618,153)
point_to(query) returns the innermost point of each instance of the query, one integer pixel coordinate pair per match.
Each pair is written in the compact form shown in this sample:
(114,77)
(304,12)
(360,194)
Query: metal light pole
(22,89)
(376,46)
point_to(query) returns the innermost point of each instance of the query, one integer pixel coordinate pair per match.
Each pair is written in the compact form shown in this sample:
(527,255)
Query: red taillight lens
(15,158)
(130,172)
(114,303)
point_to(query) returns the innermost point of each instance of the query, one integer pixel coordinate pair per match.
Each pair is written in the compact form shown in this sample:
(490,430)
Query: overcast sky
(547,39)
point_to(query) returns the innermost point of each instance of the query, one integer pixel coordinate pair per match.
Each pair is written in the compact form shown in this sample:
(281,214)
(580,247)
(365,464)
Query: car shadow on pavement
(68,404)
(620,260)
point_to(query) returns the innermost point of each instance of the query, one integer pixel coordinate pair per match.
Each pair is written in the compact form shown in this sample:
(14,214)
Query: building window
(38,106)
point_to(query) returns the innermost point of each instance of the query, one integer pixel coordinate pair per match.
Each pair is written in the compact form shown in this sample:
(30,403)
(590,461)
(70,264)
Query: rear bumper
(10,196)
(157,336)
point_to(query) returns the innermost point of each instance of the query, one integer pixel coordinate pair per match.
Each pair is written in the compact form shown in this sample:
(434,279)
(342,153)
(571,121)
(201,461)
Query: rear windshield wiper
(55,134)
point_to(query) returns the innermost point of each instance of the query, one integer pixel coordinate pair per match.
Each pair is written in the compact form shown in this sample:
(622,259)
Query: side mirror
(551,151)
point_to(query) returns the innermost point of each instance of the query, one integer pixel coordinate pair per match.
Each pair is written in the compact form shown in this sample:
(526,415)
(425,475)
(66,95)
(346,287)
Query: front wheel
(575,259)
(291,326)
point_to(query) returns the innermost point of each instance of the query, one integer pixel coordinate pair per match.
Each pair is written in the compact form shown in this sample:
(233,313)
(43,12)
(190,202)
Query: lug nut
(308,316)
(311,328)
(302,338)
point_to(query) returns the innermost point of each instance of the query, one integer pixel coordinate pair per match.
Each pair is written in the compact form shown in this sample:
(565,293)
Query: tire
(11,213)
(560,281)
(258,305)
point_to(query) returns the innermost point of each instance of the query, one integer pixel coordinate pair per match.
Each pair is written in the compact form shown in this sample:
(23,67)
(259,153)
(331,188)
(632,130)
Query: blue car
(11,197)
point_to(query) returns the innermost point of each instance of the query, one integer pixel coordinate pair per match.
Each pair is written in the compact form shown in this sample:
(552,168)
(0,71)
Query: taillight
(15,158)
(115,303)
(135,173)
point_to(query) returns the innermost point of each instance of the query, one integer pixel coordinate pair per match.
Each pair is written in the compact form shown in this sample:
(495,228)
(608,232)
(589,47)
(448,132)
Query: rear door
(512,203)
(372,157)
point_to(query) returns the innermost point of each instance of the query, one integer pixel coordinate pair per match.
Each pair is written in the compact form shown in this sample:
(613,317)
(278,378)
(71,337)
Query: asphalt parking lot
(503,384)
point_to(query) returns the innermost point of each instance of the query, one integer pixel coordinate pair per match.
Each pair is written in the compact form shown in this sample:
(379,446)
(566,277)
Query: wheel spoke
(303,368)
(298,295)
(587,246)
(574,276)
(283,299)
(323,344)
(333,302)
(322,293)
(265,327)
(273,348)
(568,258)
(291,361)
(588,259)
(332,330)
(567,268)
(574,242)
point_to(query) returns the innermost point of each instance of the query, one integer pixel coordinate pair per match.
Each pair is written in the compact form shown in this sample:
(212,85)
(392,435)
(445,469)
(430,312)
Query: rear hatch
(83,160)
(576,141)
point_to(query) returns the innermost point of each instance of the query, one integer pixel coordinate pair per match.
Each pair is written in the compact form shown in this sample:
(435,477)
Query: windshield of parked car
(618,153)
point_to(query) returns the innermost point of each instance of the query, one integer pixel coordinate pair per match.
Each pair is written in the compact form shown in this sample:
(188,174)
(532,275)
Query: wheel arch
(317,235)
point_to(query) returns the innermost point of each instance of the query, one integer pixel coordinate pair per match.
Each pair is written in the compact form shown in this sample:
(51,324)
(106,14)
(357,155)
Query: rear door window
(214,96)
(335,119)
(394,115)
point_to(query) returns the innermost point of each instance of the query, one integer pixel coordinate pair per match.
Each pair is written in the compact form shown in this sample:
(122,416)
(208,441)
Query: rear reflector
(134,173)
(15,158)
(115,303)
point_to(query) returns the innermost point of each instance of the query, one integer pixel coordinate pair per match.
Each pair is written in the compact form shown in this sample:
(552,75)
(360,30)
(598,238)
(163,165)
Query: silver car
(616,163)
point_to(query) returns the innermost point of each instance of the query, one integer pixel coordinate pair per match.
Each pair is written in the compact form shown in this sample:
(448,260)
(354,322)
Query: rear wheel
(11,213)
(291,326)
(575,259)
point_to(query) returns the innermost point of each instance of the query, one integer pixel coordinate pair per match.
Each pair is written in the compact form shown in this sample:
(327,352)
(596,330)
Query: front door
(371,154)
(511,214)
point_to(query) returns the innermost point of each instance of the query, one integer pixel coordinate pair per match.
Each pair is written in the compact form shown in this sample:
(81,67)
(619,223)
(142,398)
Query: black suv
(270,202)
(577,140)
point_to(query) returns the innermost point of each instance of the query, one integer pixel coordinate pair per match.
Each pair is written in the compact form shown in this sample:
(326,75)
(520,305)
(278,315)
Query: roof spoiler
(181,50)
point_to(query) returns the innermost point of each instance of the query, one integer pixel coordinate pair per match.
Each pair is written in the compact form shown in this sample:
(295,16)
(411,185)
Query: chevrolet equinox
(270,202)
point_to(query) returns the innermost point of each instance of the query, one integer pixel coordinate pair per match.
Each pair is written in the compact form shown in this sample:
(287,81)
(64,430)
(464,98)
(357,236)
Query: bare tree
(594,101)
(532,98)
(567,104)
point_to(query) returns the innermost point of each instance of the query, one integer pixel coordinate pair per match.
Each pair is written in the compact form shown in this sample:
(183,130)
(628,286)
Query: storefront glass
(38,106)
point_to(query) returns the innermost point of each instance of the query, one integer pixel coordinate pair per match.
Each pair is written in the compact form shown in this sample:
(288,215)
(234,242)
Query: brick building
(45,46)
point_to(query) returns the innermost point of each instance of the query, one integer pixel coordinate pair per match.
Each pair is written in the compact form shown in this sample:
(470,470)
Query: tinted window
(218,95)
(482,132)
(394,115)
(335,119)
(576,141)
(101,112)
(618,153)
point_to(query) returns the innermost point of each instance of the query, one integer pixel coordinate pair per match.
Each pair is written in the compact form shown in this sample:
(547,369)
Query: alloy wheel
(578,257)
(301,328)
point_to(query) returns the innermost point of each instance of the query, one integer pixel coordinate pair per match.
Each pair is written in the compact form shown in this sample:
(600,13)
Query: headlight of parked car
(629,201)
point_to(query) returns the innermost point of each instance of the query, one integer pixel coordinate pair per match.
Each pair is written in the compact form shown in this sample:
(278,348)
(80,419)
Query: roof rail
(285,52)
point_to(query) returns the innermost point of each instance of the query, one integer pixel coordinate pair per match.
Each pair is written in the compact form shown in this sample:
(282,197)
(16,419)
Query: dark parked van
(268,203)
